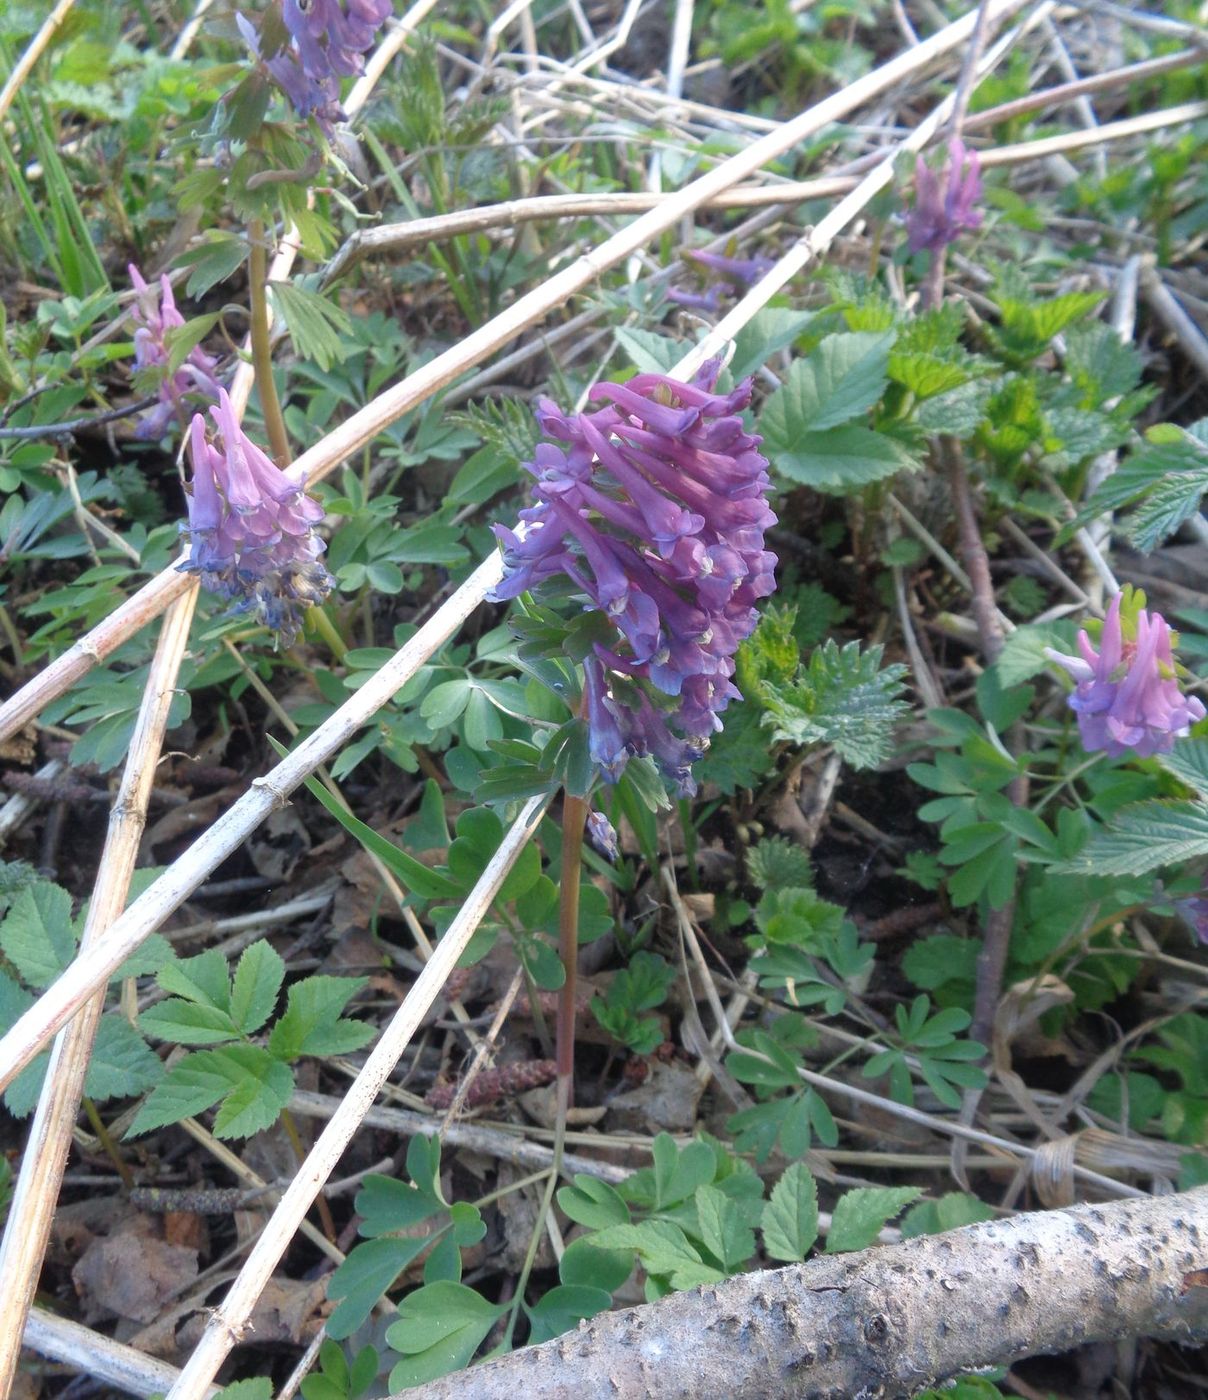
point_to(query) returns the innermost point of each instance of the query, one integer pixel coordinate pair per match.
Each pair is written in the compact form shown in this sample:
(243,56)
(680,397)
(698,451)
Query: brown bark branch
(889,1320)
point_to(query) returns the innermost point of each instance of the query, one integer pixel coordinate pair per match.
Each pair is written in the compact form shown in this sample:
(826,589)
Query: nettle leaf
(839,380)
(842,697)
(1142,838)
(840,460)
(650,352)
(252,1086)
(440,1327)
(948,1212)
(790,1219)
(770,329)
(664,1251)
(860,1215)
(1188,761)
(312,1023)
(37,935)
(318,327)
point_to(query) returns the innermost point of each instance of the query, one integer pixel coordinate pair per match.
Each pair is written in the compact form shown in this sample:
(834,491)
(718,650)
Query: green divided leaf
(562,1309)
(790,1218)
(318,327)
(364,1277)
(723,1230)
(840,460)
(440,1327)
(861,1215)
(842,378)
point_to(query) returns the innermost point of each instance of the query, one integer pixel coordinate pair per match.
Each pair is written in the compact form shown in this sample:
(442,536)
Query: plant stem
(262,350)
(574,815)
(105,1138)
(319,620)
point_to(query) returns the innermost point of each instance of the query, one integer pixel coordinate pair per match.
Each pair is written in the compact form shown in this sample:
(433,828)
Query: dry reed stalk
(122,1367)
(34,50)
(364,425)
(228,1322)
(45,1157)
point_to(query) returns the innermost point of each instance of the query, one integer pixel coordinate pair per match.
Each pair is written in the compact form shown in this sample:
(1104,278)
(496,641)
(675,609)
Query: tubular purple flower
(251,529)
(603,835)
(944,210)
(154,315)
(654,505)
(1127,695)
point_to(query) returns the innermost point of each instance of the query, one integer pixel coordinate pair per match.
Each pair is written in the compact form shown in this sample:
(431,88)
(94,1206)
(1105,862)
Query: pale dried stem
(15,810)
(97,1357)
(33,52)
(229,1322)
(45,1157)
(363,426)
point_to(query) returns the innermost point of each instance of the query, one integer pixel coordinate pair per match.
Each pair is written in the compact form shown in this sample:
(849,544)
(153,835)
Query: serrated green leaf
(1142,838)
(723,1230)
(185,1023)
(842,378)
(212,261)
(256,984)
(253,1086)
(861,1214)
(202,980)
(313,1023)
(841,459)
(37,935)
(122,1064)
(1188,761)
(790,1219)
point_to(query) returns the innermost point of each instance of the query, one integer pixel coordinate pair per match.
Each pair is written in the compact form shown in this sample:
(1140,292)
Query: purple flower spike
(654,505)
(251,529)
(328,41)
(944,204)
(1127,695)
(155,314)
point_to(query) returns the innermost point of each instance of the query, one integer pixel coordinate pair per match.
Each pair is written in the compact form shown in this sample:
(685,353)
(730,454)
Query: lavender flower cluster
(655,506)
(328,40)
(154,315)
(251,528)
(944,205)
(1127,695)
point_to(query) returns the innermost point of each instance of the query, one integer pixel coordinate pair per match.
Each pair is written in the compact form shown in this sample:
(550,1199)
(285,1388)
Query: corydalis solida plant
(251,528)
(1126,694)
(655,506)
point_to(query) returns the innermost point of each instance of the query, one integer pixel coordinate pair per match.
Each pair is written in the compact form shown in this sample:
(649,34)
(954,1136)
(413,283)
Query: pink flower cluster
(1127,695)
(944,205)
(155,314)
(251,528)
